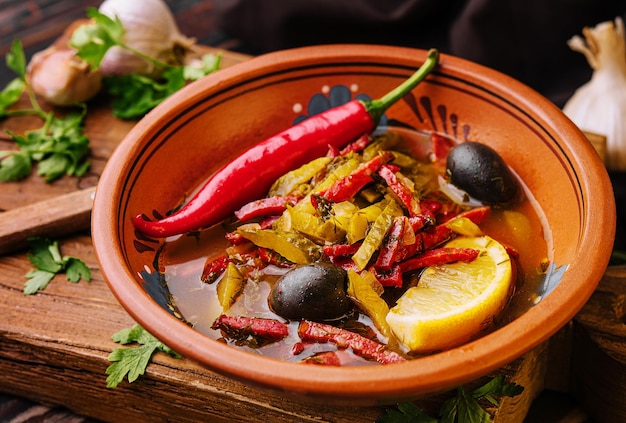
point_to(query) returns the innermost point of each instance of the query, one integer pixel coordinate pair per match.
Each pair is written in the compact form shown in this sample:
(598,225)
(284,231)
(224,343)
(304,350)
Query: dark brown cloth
(524,39)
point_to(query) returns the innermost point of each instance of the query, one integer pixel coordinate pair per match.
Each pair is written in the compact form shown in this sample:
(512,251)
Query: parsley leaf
(59,147)
(462,408)
(407,412)
(76,269)
(15,166)
(133,361)
(45,255)
(135,95)
(9,96)
(209,63)
(93,40)
(38,280)
(16,59)
(497,387)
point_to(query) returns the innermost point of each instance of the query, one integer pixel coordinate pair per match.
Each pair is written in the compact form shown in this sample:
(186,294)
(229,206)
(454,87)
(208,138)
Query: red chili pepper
(423,220)
(391,245)
(298,348)
(235,238)
(266,207)
(432,205)
(425,240)
(391,277)
(476,215)
(341,250)
(441,146)
(326,358)
(349,186)
(356,146)
(399,189)
(268,256)
(240,327)
(346,263)
(213,268)
(361,346)
(251,174)
(437,256)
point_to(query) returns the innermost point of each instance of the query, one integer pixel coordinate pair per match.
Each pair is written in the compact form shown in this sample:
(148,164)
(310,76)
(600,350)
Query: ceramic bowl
(199,129)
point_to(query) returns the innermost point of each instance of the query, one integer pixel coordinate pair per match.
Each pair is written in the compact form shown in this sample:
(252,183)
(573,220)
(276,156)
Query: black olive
(314,291)
(479,170)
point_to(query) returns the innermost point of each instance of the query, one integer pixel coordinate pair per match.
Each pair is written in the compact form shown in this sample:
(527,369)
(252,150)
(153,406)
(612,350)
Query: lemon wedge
(453,302)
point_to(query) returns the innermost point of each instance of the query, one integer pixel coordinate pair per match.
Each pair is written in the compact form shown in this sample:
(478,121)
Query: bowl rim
(416,377)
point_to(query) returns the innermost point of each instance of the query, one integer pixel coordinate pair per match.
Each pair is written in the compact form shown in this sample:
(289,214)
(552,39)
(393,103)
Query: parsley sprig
(58,148)
(45,255)
(464,407)
(132,362)
(133,95)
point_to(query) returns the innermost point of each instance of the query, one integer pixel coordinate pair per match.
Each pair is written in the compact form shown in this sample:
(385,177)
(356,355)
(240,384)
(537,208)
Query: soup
(197,267)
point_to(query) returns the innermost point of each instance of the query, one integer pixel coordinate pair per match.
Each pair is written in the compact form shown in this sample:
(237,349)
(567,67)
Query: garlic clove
(62,78)
(151,29)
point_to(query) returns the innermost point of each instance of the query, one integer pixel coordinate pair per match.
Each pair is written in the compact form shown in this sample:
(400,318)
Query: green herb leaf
(93,40)
(10,95)
(462,408)
(128,361)
(15,166)
(16,60)
(209,63)
(135,334)
(407,412)
(132,362)
(76,269)
(60,147)
(45,255)
(37,280)
(498,387)
(53,167)
(135,95)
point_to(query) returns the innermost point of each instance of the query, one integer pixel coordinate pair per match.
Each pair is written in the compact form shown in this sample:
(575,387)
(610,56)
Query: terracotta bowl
(199,129)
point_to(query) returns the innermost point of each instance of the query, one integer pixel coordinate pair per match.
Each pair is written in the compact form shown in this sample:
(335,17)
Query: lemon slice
(453,302)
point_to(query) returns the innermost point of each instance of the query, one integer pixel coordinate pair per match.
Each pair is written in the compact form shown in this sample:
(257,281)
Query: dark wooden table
(54,345)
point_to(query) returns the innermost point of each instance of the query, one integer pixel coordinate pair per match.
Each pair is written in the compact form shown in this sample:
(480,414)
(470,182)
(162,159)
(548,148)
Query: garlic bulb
(59,76)
(62,78)
(151,29)
(599,106)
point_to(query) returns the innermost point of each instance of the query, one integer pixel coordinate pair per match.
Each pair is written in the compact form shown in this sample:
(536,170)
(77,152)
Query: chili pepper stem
(377,107)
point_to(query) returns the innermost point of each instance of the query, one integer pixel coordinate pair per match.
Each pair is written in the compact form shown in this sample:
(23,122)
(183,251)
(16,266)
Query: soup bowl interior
(199,129)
